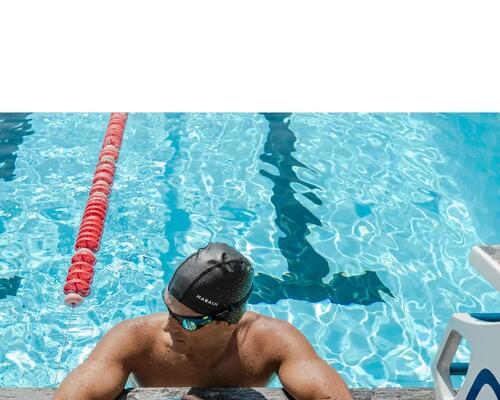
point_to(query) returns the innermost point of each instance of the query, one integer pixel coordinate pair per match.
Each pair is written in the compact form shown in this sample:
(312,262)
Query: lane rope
(81,271)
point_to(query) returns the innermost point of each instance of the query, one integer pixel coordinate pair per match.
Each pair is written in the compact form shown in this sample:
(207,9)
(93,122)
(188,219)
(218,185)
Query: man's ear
(223,324)
(228,326)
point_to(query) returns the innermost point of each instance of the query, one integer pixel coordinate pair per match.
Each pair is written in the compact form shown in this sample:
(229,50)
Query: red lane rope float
(81,271)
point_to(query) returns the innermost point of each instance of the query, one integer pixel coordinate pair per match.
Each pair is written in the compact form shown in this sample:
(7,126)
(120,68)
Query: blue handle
(459,368)
(490,317)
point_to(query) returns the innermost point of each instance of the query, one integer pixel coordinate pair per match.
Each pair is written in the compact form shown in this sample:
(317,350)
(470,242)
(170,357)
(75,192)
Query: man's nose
(173,322)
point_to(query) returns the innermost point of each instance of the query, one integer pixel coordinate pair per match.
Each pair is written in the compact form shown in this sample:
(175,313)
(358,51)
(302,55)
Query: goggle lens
(191,325)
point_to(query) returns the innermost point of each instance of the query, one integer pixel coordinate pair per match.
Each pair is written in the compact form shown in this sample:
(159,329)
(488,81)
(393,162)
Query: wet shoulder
(259,324)
(263,333)
(140,333)
(278,339)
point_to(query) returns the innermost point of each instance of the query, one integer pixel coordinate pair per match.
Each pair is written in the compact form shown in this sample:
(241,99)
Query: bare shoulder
(135,327)
(275,336)
(301,371)
(128,339)
(142,325)
(269,327)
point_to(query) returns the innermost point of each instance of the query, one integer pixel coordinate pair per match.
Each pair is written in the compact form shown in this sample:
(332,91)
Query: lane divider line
(81,272)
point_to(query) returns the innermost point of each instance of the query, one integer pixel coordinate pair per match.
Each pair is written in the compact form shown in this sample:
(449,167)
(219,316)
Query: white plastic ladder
(482,331)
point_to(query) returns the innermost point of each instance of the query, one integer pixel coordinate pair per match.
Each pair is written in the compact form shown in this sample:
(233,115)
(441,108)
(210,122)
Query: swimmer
(206,338)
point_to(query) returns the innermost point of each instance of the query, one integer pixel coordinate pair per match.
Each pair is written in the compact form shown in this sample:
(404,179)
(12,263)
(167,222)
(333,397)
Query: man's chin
(179,345)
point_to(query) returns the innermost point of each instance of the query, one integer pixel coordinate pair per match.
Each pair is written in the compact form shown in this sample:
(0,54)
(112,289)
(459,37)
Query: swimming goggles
(190,323)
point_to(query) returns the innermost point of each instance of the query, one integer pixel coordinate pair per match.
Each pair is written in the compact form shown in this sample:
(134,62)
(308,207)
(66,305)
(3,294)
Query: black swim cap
(214,279)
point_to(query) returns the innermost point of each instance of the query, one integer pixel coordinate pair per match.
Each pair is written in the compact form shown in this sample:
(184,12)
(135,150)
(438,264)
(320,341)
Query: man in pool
(206,339)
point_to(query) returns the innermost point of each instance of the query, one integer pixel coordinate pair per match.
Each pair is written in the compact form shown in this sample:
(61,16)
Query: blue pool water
(358,225)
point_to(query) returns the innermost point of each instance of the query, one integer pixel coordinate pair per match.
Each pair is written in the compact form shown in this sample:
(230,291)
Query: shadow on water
(306,267)
(13,128)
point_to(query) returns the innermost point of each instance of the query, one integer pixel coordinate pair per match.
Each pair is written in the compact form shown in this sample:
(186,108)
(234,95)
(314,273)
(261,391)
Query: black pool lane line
(13,128)
(306,267)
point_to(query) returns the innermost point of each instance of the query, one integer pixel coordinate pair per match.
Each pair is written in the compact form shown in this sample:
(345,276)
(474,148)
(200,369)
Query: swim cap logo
(212,303)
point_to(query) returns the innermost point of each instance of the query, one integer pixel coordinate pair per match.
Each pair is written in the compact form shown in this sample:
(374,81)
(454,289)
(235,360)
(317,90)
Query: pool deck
(224,394)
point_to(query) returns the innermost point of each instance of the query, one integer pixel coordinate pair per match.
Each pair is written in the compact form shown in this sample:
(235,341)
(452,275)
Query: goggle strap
(233,306)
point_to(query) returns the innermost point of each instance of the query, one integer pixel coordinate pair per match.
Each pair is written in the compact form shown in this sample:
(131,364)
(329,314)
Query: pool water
(359,227)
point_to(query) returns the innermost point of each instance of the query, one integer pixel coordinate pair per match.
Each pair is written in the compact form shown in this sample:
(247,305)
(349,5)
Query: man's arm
(301,371)
(104,374)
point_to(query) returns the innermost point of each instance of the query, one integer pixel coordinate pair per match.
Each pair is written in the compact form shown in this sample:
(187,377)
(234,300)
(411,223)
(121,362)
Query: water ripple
(400,197)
